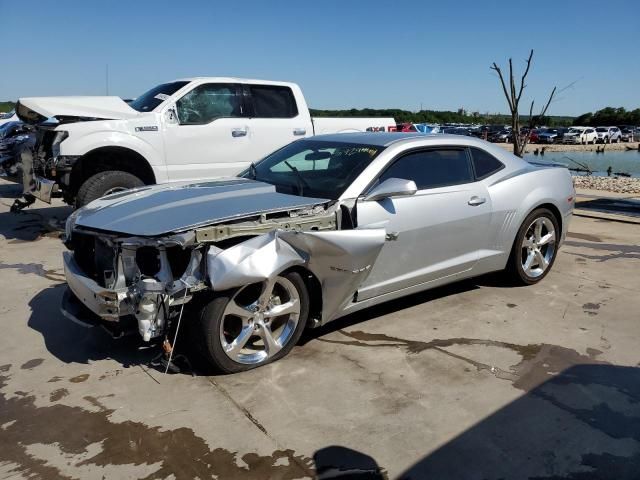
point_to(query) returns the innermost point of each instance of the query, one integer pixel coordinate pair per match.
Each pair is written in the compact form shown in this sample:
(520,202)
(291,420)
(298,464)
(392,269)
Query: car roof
(385,139)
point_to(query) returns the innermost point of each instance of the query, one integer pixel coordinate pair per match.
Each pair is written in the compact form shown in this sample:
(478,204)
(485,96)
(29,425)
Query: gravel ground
(610,184)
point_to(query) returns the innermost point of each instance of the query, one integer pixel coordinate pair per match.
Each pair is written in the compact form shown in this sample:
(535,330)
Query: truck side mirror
(171,116)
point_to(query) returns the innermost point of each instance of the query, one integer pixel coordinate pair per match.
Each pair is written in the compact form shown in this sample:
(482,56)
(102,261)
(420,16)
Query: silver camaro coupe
(319,229)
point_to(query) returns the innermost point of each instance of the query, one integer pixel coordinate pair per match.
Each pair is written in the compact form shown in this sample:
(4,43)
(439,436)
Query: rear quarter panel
(516,195)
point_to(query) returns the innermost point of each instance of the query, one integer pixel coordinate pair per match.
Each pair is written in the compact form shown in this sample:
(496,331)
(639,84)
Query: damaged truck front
(128,271)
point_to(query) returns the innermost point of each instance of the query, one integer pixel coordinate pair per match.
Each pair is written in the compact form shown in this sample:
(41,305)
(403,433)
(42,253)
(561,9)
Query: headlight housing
(58,138)
(68,226)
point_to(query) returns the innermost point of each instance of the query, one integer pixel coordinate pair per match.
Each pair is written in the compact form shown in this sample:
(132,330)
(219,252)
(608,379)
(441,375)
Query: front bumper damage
(340,260)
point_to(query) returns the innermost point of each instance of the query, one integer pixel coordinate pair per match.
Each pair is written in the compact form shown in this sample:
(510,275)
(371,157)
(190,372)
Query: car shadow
(33,223)
(73,343)
(582,424)
(496,280)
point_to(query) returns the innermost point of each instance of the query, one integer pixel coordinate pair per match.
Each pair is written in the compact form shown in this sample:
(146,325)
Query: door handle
(475,201)
(299,132)
(238,132)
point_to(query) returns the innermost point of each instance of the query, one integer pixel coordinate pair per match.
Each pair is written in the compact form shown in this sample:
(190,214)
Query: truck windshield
(147,102)
(313,168)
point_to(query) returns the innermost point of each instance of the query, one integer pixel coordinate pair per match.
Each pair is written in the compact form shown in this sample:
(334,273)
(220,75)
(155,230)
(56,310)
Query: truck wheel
(234,333)
(105,183)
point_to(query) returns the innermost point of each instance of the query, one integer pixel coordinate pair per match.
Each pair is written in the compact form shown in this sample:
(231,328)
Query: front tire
(253,325)
(535,247)
(105,183)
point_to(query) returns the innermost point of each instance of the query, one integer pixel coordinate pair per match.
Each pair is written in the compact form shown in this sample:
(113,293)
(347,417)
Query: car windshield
(602,129)
(147,102)
(313,168)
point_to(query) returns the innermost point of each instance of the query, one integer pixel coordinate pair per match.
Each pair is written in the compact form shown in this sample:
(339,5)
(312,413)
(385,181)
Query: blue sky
(344,54)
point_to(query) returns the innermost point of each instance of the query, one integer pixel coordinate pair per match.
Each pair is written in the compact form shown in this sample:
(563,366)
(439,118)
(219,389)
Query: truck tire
(104,183)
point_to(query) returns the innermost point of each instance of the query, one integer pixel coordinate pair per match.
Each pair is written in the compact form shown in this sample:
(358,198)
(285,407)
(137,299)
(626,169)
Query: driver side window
(432,168)
(208,102)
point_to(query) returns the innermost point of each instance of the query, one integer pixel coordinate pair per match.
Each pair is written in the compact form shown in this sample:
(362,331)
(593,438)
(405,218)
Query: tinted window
(148,101)
(273,101)
(432,168)
(207,102)
(484,163)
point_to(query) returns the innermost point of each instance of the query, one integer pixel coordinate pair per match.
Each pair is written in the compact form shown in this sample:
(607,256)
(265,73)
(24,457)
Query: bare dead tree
(513,94)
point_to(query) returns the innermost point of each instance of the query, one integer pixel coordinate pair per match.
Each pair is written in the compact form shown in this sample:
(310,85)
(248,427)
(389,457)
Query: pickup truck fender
(83,144)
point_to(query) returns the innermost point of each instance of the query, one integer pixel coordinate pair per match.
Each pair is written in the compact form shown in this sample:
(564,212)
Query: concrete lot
(471,381)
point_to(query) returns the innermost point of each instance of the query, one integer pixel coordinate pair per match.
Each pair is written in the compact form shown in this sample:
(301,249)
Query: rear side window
(432,168)
(272,101)
(484,163)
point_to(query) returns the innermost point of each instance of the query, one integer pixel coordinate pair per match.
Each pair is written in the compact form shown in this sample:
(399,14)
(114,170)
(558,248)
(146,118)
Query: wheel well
(556,213)
(315,292)
(110,158)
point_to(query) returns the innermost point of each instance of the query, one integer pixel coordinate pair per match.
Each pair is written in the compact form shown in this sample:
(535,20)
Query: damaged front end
(145,281)
(131,281)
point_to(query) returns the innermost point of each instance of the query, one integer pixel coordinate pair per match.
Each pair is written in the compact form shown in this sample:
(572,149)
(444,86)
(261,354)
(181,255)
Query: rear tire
(535,248)
(223,320)
(104,183)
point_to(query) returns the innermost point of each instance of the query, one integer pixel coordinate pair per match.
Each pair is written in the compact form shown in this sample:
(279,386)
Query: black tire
(515,268)
(205,331)
(101,183)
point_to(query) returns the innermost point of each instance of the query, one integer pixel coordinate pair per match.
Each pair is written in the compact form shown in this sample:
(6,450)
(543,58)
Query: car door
(435,233)
(274,119)
(206,134)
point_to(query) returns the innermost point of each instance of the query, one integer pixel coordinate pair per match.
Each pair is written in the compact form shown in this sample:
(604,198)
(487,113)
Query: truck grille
(94,257)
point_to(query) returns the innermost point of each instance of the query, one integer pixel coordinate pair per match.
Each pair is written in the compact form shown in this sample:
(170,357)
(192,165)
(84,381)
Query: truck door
(206,134)
(275,119)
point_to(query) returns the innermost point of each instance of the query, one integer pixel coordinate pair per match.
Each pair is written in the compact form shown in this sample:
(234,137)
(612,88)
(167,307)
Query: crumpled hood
(161,209)
(37,109)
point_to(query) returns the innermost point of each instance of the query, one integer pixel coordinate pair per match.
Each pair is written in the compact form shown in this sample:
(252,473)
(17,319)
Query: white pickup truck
(190,129)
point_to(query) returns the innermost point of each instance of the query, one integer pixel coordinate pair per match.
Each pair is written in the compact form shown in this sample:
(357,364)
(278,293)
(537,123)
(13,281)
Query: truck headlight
(57,140)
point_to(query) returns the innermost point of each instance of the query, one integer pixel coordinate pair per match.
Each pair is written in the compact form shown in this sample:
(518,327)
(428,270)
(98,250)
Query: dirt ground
(475,380)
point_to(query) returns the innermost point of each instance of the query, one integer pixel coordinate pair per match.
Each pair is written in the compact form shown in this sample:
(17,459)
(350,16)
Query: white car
(608,135)
(185,130)
(580,135)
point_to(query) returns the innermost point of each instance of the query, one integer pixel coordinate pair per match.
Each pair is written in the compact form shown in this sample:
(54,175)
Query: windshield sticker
(161,96)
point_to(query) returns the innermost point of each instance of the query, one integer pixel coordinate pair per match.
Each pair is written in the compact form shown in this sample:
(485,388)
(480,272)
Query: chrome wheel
(538,247)
(259,320)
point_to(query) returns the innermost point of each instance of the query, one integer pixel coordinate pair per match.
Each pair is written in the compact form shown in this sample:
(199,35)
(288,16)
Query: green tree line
(610,116)
(6,106)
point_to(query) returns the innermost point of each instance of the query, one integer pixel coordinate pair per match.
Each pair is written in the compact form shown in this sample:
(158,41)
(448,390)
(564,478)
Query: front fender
(341,260)
(80,143)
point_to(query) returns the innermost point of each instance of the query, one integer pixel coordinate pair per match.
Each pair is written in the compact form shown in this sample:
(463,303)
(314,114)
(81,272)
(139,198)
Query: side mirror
(392,187)
(171,116)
